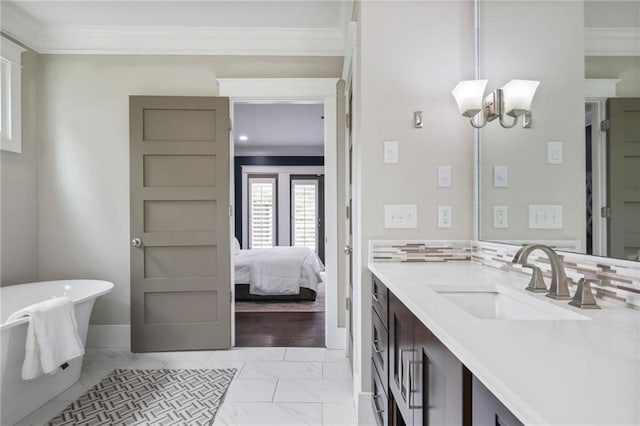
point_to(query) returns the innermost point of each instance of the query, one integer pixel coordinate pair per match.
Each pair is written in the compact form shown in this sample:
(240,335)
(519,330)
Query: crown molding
(19,25)
(612,41)
(170,40)
(192,41)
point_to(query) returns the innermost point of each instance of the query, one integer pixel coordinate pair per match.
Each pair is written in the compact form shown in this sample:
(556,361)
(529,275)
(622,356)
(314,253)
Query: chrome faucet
(559,289)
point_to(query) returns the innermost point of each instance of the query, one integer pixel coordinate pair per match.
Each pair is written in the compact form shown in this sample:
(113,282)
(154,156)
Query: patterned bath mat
(150,397)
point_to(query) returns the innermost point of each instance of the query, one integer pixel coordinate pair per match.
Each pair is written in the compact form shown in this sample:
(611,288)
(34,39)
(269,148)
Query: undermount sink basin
(505,304)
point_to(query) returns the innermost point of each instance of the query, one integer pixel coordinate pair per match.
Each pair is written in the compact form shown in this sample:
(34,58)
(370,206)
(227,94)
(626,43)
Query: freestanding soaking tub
(21,397)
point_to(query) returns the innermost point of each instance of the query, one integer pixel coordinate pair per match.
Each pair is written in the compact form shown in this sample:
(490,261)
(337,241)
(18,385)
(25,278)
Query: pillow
(236,245)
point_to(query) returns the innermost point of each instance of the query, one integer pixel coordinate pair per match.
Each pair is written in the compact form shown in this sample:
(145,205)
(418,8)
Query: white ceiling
(283,127)
(296,14)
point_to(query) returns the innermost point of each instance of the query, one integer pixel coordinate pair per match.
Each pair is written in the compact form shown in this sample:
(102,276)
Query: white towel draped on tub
(52,336)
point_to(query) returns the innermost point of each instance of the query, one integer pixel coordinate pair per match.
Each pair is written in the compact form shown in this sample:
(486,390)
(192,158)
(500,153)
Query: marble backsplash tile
(619,280)
(420,251)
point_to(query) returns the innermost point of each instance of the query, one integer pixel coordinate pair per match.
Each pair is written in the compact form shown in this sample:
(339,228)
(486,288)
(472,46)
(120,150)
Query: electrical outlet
(445,216)
(500,217)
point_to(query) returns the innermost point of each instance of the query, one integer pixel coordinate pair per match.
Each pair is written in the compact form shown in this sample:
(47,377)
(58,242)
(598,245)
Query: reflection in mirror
(564,182)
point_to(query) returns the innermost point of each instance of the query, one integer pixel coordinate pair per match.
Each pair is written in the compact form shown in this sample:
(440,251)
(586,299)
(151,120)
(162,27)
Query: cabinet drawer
(380,349)
(380,300)
(380,401)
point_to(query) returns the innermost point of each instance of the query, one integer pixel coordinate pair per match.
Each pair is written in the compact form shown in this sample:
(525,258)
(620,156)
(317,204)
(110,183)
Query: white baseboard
(109,336)
(366,416)
(336,338)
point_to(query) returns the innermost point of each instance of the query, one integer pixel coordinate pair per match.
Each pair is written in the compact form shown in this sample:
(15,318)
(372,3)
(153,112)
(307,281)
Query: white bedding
(278,270)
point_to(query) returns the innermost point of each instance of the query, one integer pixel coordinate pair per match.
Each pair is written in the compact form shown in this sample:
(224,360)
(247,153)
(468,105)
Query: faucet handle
(583,298)
(536,284)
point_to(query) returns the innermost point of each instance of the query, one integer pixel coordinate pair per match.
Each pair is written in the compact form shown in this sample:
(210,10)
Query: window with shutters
(304,213)
(262,211)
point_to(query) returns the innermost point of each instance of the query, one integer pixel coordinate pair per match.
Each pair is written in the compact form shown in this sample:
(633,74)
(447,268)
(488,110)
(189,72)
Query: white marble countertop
(558,372)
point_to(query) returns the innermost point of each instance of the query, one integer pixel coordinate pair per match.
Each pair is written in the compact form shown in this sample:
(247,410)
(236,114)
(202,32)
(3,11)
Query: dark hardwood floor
(294,329)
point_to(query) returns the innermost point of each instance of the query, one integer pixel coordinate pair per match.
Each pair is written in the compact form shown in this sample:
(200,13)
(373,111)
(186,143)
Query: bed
(277,274)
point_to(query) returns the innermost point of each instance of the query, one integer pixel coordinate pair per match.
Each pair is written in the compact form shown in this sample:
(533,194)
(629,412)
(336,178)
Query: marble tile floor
(272,386)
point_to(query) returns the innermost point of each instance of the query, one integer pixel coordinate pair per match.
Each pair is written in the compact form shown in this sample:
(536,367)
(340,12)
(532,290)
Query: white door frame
(303,89)
(596,93)
(599,175)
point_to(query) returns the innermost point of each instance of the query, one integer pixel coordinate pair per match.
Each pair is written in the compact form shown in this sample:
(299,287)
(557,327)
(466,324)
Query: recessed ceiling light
(243,138)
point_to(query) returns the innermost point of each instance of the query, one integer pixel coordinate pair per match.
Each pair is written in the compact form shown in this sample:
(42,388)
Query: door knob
(136,242)
(347,250)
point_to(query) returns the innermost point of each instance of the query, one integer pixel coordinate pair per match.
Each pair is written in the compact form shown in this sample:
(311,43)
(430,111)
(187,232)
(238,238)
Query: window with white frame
(262,211)
(10,96)
(304,213)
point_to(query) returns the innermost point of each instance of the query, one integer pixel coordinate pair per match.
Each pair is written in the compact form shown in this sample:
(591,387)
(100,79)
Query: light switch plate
(445,216)
(391,152)
(545,216)
(400,216)
(500,217)
(554,152)
(500,176)
(444,176)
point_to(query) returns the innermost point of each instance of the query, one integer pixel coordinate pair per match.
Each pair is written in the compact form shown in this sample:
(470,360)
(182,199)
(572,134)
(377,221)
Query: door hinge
(231,297)
(230,211)
(605,125)
(605,212)
(348,302)
(347,121)
(230,125)
(348,212)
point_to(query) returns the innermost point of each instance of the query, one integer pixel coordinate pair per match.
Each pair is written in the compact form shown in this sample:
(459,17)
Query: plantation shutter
(305,213)
(262,212)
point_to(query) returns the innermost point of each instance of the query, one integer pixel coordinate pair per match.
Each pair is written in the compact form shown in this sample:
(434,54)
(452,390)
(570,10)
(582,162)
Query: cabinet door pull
(402,383)
(411,391)
(375,297)
(375,347)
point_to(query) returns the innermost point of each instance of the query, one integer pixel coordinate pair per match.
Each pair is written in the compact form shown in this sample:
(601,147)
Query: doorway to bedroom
(279,258)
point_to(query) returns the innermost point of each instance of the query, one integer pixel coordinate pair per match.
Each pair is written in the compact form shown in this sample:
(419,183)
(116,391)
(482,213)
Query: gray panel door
(180,254)
(349,202)
(623,143)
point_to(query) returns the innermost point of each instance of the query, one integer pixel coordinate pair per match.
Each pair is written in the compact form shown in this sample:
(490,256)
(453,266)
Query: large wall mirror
(563,181)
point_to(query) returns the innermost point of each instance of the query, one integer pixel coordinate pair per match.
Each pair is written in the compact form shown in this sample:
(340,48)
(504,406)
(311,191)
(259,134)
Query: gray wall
(626,68)
(548,46)
(19,177)
(84,173)
(411,55)
(611,14)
